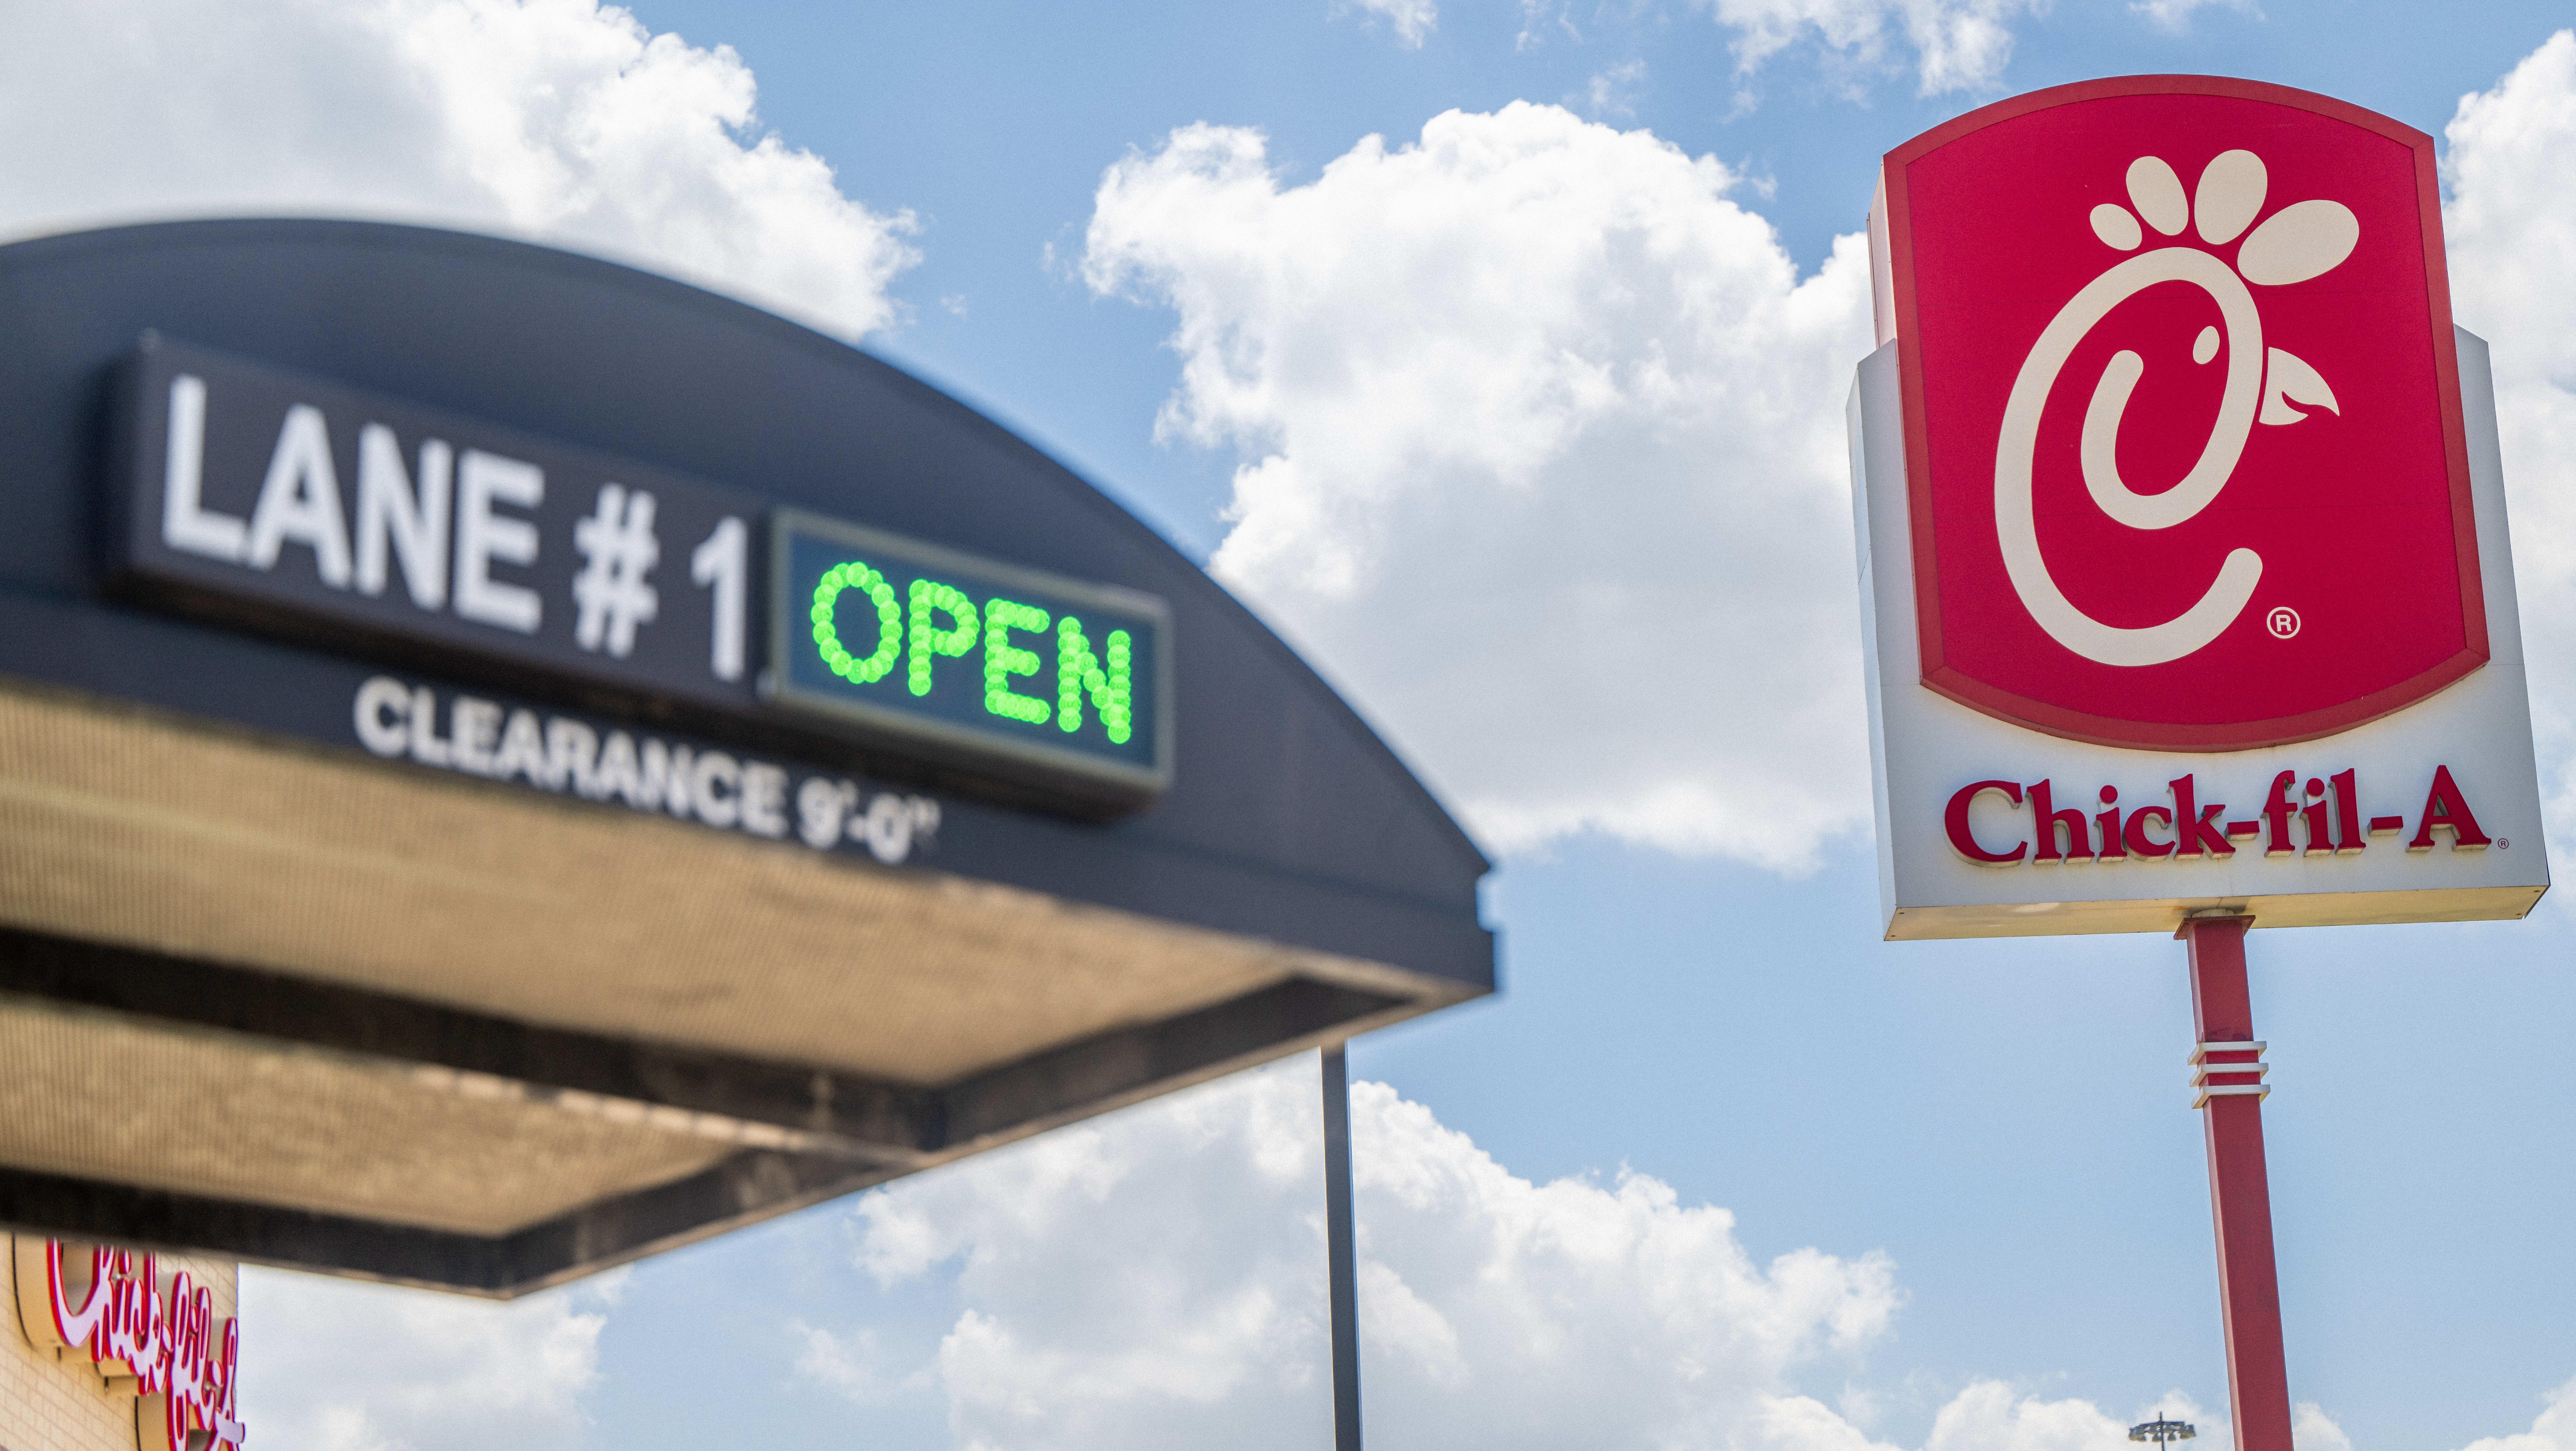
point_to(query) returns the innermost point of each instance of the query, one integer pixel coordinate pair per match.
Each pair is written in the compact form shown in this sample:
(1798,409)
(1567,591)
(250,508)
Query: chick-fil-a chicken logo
(2183,427)
(164,1347)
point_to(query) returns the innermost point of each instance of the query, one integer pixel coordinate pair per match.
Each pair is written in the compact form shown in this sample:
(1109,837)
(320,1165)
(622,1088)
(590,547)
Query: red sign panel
(2182,414)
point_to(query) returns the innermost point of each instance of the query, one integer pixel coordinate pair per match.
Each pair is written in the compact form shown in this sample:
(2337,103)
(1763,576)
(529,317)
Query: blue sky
(993,121)
(2003,1118)
(1988,1140)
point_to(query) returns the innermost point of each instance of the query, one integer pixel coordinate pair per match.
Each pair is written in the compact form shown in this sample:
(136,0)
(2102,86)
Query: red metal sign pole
(2228,1072)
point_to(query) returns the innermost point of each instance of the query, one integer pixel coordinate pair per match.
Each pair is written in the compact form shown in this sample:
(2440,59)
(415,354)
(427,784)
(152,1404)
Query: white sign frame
(1924,749)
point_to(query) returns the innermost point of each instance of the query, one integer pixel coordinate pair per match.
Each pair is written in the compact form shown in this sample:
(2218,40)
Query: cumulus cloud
(2554,1430)
(1411,20)
(2311,1429)
(1958,45)
(1990,1416)
(562,120)
(1156,1279)
(2511,224)
(1542,454)
(335,1365)
(1145,1280)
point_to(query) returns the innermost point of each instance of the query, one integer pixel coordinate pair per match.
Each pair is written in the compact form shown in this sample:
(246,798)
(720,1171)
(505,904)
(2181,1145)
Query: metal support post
(2228,1073)
(1342,1269)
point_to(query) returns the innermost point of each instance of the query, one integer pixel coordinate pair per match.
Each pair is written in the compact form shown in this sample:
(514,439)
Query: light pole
(1340,1252)
(2161,1430)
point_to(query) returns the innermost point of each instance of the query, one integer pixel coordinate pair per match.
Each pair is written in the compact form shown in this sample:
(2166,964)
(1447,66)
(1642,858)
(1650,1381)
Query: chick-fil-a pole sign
(153,1337)
(2184,575)
(2182,531)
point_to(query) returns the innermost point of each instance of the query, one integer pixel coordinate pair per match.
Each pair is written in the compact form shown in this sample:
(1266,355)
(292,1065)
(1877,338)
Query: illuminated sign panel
(916,641)
(295,499)
(265,495)
(2184,415)
(2181,526)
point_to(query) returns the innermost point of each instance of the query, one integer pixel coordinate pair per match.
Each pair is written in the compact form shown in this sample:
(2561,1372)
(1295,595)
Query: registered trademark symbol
(2283,622)
(2503,845)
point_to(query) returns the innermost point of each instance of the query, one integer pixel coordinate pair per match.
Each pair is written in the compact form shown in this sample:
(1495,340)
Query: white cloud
(2174,16)
(853,1365)
(2311,1429)
(2554,1430)
(1988,1416)
(336,1365)
(1991,1415)
(1412,20)
(562,120)
(1538,17)
(1613,89)
(1543,456)
(1155,1279)
(2512,232)
(1143,1280)
(1958,45)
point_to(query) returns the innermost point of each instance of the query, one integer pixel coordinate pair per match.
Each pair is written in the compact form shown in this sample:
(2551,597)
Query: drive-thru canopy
(508,764)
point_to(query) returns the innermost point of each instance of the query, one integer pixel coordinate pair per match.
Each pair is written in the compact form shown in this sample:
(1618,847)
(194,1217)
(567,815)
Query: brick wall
(63,1405)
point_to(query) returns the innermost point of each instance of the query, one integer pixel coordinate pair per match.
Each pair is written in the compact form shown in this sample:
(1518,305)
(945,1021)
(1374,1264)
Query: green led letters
(1112,688)
(928,640)
(827,638)
(1002,660)
(1097,673)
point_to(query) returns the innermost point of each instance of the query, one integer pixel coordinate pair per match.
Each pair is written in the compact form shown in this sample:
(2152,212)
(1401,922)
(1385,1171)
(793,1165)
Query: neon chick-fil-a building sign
(160,1344)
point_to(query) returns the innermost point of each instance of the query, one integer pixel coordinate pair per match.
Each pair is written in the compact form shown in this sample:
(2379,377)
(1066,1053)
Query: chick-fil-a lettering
(2327,808)
(182,1363)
